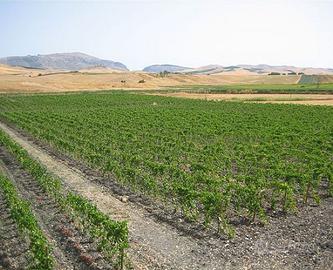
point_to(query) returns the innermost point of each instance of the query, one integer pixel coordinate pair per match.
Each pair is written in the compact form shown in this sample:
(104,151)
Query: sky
(190,33)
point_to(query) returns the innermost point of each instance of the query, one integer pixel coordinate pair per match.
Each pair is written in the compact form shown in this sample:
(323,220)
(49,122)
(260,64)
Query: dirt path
(303,241)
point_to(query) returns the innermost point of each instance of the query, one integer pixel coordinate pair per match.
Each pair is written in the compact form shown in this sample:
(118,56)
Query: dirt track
(304,241)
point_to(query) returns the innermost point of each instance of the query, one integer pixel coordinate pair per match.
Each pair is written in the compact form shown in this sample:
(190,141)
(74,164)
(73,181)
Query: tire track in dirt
(153,245)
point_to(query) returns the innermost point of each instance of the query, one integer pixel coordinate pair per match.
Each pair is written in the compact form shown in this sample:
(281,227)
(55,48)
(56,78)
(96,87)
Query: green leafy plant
(210,160)
(40,249)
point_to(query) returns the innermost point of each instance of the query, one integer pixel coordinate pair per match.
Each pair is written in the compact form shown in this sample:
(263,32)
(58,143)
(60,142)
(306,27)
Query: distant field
(216,162)
(296,98)
(321,88)
(307,93)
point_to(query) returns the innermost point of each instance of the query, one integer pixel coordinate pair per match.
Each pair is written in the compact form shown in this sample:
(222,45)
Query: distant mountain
(209,69)
(64,61)
(165,67)
(263,69)
(240,70)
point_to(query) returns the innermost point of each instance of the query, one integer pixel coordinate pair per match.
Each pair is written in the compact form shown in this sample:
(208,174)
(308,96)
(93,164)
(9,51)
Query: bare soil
(301,241)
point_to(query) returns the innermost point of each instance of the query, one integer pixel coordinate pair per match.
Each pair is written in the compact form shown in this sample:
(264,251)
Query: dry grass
(32,80)
(8,70)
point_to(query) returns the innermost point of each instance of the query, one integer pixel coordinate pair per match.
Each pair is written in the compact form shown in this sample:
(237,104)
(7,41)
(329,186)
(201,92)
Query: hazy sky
(190,33)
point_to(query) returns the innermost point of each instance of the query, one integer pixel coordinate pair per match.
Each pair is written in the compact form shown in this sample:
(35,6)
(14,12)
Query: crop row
(112,236)
(213,161)
(40,249)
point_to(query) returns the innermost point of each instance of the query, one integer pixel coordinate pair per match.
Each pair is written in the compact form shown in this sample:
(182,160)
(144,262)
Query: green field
(307,88)
(213,161)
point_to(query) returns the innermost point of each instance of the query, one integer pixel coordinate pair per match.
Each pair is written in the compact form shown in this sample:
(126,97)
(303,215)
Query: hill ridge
(64,61)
